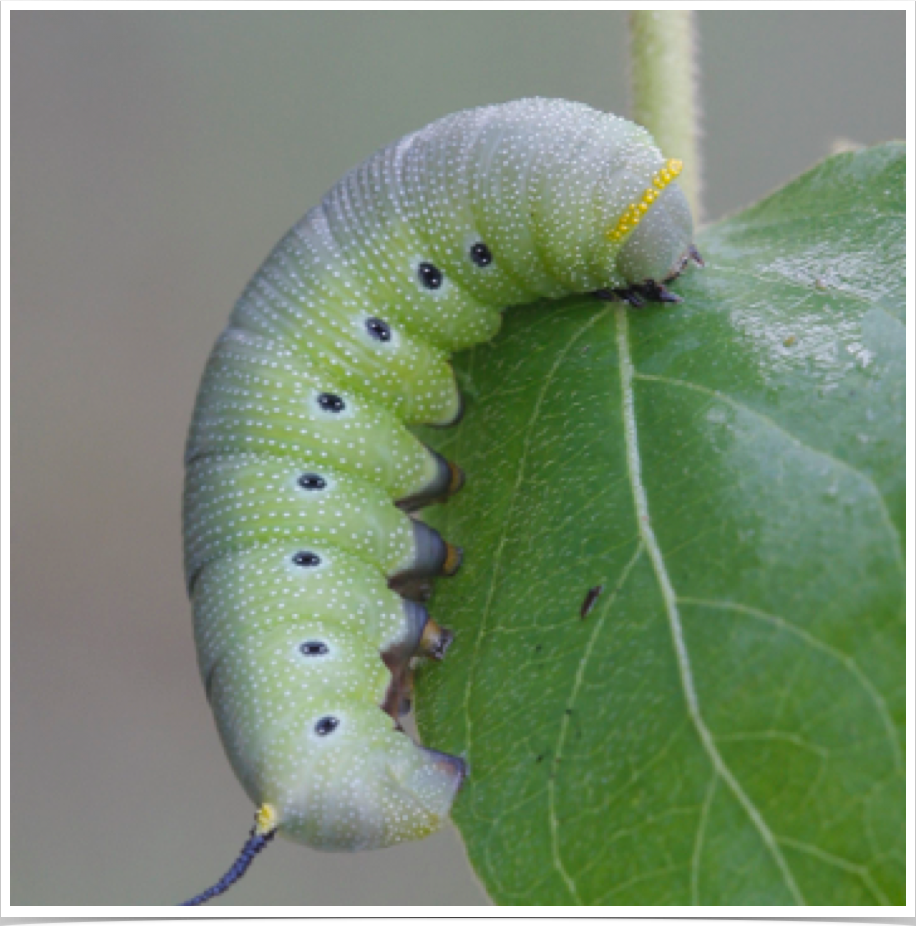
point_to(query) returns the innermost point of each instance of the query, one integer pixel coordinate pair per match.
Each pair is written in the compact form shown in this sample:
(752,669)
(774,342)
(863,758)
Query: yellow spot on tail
(266,820)
(635,211)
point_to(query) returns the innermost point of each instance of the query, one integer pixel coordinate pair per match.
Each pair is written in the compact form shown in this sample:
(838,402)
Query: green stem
(663,52)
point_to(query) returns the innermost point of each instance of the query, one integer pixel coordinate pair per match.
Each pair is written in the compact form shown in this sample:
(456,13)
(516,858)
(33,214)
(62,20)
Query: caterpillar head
(575,200)
(646,227)
(658,233)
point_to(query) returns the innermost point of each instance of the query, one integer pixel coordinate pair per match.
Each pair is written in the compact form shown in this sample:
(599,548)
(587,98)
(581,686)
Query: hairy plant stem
(663,56)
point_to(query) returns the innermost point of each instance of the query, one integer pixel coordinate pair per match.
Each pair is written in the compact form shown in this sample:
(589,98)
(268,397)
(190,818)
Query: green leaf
(725,726)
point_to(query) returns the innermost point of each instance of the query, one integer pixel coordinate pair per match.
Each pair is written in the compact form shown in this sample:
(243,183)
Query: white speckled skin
(539,182)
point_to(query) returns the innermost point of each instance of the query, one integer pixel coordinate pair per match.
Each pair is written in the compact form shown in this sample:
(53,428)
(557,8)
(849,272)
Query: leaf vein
(840,464)
(848,662)
(860,871)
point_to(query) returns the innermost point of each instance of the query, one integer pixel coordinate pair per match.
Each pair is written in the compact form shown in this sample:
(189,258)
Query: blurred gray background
(158,157)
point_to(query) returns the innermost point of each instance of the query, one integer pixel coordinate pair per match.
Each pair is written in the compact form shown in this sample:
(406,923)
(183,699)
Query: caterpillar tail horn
(262,833)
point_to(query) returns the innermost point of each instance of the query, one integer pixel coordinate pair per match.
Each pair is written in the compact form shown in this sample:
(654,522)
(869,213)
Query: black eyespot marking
(305,558)
(326,725)
(378,329)
(430,275)
(314,648)
(312,481)
(481,255)
(331,403)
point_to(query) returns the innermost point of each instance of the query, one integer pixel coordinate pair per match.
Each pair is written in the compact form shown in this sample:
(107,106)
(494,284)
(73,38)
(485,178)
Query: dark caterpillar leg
(399,696)
(435,641)
(433,557)
(638,294)
(448,480)
(424,637)
(694,255)
(690,255)
(397,700)
(397,659)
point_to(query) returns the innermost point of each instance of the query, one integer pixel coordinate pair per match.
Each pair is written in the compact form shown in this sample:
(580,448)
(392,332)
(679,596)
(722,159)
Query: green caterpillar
(302,558)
